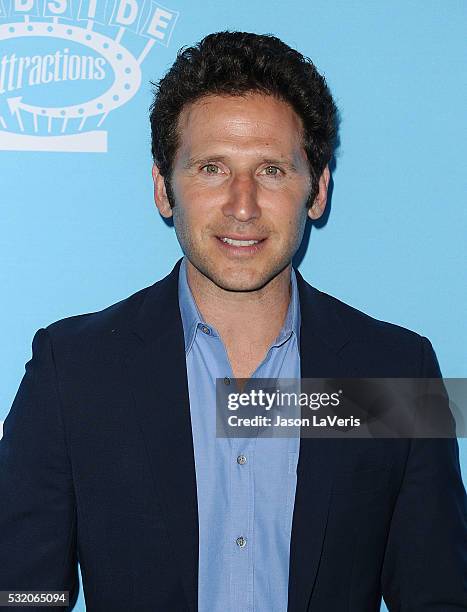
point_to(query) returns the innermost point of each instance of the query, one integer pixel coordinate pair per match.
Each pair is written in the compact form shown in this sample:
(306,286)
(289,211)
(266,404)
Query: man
(109,454)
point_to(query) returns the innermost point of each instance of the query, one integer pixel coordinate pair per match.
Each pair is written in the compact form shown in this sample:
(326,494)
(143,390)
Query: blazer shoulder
(380,346)
(358,322)
(158,296)
(95,324)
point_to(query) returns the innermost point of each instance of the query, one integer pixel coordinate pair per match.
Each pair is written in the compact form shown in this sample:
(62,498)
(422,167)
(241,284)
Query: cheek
(296,227)
(293,220)
(190,221)
(197,200)
(194,191)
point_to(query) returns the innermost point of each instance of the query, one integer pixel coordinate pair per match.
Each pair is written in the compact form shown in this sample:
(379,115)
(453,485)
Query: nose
(242,199)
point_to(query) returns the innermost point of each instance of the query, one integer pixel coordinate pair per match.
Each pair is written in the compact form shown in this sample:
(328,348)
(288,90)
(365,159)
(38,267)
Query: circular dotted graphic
(126,69)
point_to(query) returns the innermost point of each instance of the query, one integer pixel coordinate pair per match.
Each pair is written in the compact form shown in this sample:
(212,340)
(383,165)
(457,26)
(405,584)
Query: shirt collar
(192,318)
(292,318)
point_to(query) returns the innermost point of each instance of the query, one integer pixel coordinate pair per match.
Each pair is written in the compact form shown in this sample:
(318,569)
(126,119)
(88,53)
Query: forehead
(251,122)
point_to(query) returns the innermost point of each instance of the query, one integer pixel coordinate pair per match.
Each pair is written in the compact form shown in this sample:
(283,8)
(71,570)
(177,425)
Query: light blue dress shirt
(245,486)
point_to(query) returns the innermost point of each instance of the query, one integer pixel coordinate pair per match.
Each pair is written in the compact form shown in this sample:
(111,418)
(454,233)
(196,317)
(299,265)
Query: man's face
(241,182)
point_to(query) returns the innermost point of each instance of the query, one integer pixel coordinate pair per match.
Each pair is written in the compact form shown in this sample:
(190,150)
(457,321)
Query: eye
(272,171)
(211,169)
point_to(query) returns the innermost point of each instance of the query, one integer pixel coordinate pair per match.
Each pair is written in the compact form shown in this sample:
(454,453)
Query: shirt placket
(240,533)
(242,519)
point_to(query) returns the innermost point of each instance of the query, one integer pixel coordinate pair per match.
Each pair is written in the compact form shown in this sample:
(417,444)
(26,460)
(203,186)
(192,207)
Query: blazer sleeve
(425,564)
(37,504)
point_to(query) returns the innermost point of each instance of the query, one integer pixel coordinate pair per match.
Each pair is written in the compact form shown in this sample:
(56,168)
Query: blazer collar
(159,314)
(319,319)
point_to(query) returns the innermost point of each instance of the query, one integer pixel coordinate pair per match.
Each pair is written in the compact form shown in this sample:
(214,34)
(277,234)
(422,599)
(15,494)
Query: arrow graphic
(13,105)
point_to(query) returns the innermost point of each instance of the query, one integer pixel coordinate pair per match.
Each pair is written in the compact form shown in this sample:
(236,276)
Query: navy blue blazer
(97,465)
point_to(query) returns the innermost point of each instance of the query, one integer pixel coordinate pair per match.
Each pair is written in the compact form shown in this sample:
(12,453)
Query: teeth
(239,242)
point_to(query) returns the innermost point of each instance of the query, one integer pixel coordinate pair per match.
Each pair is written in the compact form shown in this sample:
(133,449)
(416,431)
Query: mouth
(241,243)
(237,246)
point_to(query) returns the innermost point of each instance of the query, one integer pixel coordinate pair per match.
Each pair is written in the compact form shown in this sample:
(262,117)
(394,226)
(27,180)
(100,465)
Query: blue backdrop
(79,227)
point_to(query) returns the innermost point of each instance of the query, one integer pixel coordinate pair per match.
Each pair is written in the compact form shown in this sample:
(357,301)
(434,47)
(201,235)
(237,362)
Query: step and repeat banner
(79,229)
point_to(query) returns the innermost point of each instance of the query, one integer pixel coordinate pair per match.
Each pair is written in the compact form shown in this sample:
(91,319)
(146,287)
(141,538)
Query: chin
(239,276)
(247,280)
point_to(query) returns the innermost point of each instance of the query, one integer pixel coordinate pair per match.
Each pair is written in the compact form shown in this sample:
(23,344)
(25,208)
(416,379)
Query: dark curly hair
(236,63)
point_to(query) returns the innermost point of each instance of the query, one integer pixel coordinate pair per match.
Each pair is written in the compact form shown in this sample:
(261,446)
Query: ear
(160,193)
(316,210)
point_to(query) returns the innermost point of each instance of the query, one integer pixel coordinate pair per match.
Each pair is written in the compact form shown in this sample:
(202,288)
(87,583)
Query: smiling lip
(240,239)
(240,245)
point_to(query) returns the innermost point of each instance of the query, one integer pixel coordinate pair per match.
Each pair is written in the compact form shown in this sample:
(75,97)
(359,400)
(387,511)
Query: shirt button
(241,541)
(205,329)
(226,380)
(241,459)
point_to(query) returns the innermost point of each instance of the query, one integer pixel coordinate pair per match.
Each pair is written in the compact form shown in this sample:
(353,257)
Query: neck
(243,317)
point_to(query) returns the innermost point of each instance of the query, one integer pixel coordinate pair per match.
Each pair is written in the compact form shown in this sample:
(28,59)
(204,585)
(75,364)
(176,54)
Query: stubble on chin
(235,277)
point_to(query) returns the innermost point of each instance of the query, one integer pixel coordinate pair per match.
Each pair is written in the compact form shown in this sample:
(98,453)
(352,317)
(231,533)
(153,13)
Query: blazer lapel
(155,361)
(322,335)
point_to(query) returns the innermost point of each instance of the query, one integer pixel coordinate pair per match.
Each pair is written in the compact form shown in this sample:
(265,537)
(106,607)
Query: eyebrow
(194,161)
